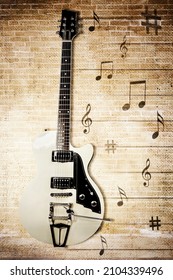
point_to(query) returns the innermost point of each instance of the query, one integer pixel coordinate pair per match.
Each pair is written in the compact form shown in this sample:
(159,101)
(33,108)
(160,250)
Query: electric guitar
(62,205)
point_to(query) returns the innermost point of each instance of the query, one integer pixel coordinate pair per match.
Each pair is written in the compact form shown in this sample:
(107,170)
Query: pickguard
(85,193)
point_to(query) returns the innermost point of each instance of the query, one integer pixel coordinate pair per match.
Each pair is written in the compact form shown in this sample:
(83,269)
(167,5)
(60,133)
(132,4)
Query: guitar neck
(64,107)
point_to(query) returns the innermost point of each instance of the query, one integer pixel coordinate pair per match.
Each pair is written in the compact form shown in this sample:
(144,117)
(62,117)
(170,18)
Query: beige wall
(29,72)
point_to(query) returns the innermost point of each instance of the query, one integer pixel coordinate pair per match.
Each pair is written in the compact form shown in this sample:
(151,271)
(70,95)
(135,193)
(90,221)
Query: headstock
(69,25)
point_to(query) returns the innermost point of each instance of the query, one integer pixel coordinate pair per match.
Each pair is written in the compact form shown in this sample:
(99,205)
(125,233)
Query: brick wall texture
(129,122)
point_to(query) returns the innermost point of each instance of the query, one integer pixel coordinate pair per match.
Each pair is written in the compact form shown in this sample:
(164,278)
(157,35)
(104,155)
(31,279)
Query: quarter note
(103,63)
(122,195)
(103,243)
(96,20)
(146,174)
(142,102)
(86,121)
(160,120)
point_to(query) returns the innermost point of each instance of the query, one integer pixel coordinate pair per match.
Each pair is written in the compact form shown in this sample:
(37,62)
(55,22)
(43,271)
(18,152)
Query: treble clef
(146,174)
(86,121)
(123,47)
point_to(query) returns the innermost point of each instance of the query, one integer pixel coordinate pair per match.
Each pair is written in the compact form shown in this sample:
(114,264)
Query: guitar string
(64,100)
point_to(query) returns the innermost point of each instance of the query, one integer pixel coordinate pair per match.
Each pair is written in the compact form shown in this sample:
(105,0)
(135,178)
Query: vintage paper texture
(129,121)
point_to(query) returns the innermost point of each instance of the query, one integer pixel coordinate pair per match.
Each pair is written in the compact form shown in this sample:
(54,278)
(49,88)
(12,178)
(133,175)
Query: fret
(63,128)
(64,91)
(63,114)
(63,105)
(66,67)
(65,79)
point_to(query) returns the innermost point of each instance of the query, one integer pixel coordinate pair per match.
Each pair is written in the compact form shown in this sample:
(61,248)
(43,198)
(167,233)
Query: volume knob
(93,203)
(81,196)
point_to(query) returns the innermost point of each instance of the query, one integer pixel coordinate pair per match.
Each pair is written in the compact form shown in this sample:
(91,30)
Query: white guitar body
(36,200)
(62,205)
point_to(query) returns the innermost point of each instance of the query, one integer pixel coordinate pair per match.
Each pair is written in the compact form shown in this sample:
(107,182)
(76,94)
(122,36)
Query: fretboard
(64,108)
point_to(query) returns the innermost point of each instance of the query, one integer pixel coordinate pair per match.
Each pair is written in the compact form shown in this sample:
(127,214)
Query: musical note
(122,194)
(146,174)
(103,243)
(142,102)
(123,47)
(96,20)
(110,146)
(101,70)
(86,121)
(160,120)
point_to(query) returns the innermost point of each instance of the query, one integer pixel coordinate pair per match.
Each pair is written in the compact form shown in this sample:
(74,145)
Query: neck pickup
(62,156)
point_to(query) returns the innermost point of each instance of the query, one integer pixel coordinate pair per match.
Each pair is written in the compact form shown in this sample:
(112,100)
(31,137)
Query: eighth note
(96,19)
(160,120)
(86,121)
(142,102)
(109,76)
(103,242)
(122,194)
(146,174)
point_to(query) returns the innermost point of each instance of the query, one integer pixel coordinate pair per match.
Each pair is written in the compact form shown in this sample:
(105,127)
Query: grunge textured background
(126,114)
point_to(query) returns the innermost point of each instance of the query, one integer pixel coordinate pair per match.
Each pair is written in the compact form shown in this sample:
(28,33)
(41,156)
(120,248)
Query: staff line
(137,172)
(123,69)
(142,197)
(121,249)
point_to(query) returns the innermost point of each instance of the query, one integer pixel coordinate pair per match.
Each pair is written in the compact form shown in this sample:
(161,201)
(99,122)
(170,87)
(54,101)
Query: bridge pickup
(62,156)
(62,183)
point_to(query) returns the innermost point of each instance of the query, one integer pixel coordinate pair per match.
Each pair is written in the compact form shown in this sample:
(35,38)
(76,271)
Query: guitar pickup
(62,183)
(62,156)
